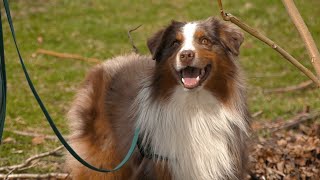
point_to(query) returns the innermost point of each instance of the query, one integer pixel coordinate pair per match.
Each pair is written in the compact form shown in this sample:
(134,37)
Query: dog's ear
(153,44)
(230,36)
(161,40)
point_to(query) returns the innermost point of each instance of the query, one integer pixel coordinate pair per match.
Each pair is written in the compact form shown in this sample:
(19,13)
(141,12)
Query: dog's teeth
(182,80)
(202,72)
(198,78)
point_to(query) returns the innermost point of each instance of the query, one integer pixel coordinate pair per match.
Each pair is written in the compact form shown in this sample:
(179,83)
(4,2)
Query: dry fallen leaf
(9,140)
(40,39)
(38,140)
(288,154)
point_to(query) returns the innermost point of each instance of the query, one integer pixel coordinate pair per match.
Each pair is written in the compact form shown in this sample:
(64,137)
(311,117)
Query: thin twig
(256,114)
(68,56)
(29,161)
(258,35)
(301,86)
(8,174)
(304,33)
(298,119)
(276,171)
(135,49)
(28,167)
(35,176)
(31,134)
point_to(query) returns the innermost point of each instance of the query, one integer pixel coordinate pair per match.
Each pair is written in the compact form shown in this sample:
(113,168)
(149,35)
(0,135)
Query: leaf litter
(287,153)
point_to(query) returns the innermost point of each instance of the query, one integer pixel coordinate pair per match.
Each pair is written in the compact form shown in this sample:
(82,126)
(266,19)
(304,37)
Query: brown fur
(96,132)
(96,137)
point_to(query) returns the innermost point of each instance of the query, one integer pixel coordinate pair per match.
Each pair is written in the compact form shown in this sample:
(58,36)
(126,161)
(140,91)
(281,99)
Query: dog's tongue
(190,77)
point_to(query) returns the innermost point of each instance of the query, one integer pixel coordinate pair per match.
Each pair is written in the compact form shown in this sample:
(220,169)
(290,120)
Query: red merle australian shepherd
(188,99)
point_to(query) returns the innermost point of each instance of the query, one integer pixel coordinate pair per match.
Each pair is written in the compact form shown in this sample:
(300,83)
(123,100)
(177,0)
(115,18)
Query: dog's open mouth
(192,77)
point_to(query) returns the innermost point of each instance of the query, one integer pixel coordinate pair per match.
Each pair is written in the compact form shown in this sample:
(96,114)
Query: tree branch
(68,56)
(266,40)
(29,161)
(300,86)
(298,119)
(304,33)
(135,49)
(35,176)
(32,134)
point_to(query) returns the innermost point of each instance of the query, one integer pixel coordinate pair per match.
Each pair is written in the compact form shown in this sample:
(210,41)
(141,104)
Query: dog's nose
(186,56)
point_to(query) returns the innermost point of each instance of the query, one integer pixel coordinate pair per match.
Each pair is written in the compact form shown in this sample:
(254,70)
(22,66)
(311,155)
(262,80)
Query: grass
(98,29)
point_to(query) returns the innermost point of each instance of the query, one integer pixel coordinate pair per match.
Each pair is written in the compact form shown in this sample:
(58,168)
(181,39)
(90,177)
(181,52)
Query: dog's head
(197,54)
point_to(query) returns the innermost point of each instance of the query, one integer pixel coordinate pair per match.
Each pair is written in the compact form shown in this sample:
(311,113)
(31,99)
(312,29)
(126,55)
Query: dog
(188,99)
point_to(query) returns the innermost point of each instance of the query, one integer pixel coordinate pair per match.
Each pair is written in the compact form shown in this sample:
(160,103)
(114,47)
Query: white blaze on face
(188,34)
(188,31)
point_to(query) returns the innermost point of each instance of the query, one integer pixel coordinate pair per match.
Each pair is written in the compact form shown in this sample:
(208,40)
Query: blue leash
(43,108)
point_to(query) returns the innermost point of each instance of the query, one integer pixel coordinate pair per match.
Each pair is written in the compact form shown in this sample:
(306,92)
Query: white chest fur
(193,130)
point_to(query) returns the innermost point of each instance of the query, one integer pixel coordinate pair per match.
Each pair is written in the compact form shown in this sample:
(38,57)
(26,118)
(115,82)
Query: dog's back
(100,119)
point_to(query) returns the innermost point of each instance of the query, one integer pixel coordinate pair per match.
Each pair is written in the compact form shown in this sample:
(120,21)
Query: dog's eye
(175,43)
(205,41)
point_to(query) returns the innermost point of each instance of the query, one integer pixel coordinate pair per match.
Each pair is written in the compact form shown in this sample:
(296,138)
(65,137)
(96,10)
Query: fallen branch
(304,33)
(300,86)
(258,35)
(135,49)
(68,56)
(31,134)
(35,176)
(29,161)
(298,119)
